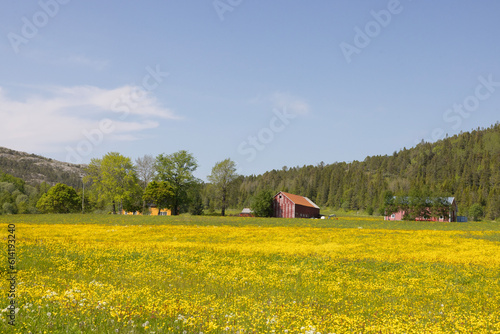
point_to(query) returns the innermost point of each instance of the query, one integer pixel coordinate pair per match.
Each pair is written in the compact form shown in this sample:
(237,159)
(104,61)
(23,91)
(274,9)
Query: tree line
(16,196)
(465,166)
(114,184)
(166,182)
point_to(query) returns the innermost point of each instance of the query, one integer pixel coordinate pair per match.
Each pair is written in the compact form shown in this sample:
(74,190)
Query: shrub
(476,212)
(9,208)
(262,204)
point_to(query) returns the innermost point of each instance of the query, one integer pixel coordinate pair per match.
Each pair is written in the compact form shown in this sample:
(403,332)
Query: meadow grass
(371,222)
(133,274)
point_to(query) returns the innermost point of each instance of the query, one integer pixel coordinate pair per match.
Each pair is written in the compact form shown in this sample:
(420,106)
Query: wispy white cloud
(129,100)
(59,116)
(290,102)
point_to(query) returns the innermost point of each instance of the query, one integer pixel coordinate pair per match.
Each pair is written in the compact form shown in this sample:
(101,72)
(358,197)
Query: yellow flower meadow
(107,274)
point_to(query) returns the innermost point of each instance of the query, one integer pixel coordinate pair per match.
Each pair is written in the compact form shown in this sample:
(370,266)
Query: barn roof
(448,200)
(299,200)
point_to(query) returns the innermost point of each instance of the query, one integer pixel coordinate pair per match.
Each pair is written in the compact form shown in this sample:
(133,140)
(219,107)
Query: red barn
(287,205)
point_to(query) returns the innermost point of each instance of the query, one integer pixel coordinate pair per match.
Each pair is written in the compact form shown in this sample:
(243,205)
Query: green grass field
(133,274)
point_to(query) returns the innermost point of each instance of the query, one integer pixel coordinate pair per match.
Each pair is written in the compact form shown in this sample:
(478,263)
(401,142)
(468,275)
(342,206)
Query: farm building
(131,213)
(246,212)
(287,205)
(452,214)
(153,210)
(162,212)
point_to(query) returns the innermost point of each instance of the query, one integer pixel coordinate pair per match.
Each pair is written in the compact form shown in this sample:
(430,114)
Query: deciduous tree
(177,170)
(262,204)
(113,178)
(160,194)
(476,211)
(145,169)
(59,199)
(223,173)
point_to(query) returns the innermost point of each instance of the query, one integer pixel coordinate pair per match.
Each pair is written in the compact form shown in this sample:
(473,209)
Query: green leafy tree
(177,170)
(160,194)
(476,211)
(22,203)
(389,206)
(59,199)
(223,174)
(370,210)
(441,207)
(89,200)
(7,187)
(419,204)
(9,208)
(17,182)
(113,178)
(262,204)
(403,204)
(196,206)
(133,200)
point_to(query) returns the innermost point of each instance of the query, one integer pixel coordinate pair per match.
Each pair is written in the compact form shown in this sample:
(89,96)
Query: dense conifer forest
(466,166)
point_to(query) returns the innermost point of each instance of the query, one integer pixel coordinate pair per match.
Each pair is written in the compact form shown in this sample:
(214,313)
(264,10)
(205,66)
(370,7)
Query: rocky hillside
(35,169)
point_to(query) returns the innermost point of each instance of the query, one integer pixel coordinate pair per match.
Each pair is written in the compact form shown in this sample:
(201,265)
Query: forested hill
(466,166)
(35,169)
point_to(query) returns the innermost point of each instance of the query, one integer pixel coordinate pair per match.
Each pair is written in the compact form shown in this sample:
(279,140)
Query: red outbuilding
(246,212)
(452,214)
(287,205)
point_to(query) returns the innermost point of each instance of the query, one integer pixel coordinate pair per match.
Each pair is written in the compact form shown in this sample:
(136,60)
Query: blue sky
(265,83)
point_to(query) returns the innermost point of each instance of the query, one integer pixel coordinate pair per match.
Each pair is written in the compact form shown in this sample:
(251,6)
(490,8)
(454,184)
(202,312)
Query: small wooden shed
(246,212)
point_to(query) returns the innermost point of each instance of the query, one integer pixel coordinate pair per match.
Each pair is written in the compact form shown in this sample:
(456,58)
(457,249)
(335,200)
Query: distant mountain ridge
(35,169)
